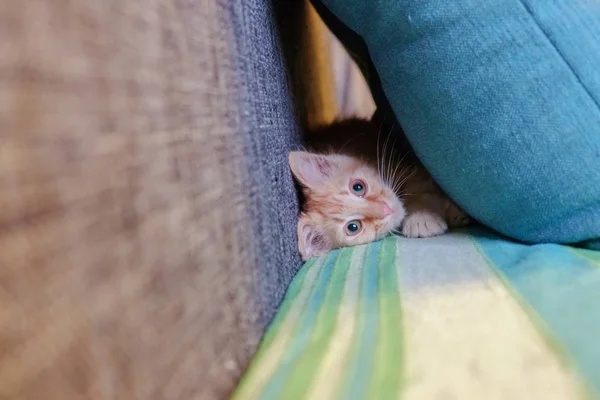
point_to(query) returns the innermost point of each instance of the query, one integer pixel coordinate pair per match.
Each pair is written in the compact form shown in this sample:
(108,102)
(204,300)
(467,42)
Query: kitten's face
(346,204)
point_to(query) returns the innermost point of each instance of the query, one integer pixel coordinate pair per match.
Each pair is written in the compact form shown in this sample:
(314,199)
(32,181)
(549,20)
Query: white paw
(422,224)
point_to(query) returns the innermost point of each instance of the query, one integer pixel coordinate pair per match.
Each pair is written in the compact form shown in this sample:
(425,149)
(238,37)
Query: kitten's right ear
(311,239)
(309,168)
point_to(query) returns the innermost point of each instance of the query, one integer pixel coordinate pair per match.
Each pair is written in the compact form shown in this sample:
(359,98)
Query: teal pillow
(500,100)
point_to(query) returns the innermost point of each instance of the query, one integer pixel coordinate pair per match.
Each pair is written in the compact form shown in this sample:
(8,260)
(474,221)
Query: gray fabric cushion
(147,216)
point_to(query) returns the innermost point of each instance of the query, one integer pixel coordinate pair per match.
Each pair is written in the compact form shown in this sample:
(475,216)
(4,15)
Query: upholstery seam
(560,54)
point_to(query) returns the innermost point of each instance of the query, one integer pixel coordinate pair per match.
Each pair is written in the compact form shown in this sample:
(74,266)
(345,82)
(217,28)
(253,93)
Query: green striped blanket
(466,315)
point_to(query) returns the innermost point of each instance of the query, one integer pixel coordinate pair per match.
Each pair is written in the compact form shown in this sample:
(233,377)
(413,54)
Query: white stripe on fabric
(466,336)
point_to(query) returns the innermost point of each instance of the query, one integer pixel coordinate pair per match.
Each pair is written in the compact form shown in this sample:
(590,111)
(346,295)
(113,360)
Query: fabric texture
(500,100)
(468,315)
(148,216)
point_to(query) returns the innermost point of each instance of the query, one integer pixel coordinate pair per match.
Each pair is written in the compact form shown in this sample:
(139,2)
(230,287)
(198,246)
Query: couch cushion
(466,315)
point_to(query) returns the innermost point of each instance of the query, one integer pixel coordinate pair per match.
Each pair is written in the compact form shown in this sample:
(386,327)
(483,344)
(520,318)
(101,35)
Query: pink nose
(386,210)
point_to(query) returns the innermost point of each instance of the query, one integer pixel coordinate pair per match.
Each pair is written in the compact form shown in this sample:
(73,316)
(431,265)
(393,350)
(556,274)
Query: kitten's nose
(386,210)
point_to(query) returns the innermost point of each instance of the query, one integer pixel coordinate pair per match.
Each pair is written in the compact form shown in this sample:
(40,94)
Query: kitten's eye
(358,187)
(353,228)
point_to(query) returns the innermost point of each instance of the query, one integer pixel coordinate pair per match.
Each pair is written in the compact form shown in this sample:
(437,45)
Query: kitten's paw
(422,224)
(456,217)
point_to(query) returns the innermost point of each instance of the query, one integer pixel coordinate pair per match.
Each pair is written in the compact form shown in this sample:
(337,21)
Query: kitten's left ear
(312,241)
(311,169)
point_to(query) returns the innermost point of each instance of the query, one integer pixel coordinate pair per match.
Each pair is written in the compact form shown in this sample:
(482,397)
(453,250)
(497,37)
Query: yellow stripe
(331,369)
(590,256)
(258,375)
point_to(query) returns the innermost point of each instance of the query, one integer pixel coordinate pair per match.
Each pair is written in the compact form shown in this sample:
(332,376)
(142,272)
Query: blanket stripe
(466,336)
(302,333)
(590,255)
(464,315)
(330,372)
(317,331)
(375,359)
(280,332)
(388,364)
(363,346)
(561,285)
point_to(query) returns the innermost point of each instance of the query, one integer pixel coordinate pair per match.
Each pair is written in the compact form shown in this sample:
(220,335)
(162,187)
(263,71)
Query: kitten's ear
(311,169)
(312,241)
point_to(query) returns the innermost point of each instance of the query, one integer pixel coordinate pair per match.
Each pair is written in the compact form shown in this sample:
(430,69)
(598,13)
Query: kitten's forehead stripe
(324,166)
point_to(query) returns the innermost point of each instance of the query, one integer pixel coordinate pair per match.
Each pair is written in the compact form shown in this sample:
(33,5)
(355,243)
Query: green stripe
(385,381)
(290,297)
(362,354)
(302,330)
(589,255)
(303,373)
(351,357)
(299,284)
(331,369)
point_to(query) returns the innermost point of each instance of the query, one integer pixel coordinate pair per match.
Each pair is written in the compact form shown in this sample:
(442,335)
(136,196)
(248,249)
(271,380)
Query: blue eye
(353,228)
(358,187)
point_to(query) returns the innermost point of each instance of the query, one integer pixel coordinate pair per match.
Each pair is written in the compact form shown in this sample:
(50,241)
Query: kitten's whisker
(399,191)
(345,144)
(388,163)
(378,157)
(391,159)
(398,187)
(403,157)
(402,171)
(413,172)
(383,163)
(401,162)
(382,158)
(398,174)
(400,178)
(396,171)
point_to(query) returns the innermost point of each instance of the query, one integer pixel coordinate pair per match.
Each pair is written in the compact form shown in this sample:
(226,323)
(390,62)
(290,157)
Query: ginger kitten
(358,188)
